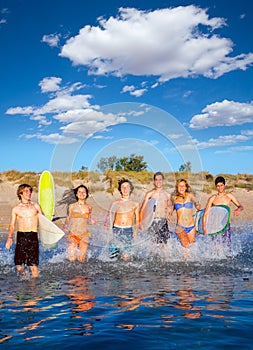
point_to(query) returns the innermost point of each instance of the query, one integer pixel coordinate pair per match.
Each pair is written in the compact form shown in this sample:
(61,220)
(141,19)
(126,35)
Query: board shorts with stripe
(122,242)
(27,249)
(224,238)
(159,230)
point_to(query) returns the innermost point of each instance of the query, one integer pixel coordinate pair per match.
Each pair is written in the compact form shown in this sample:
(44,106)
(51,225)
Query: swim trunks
(122,242)
(159,230)
(27,249)
(224,238)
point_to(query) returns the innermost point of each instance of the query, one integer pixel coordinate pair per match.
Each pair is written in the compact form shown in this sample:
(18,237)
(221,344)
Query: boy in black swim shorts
(25,214)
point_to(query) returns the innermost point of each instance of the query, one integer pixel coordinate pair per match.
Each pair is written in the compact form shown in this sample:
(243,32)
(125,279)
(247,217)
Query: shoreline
(101,200)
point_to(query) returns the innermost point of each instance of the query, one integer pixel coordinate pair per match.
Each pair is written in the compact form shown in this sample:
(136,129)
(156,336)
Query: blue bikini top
(187,205)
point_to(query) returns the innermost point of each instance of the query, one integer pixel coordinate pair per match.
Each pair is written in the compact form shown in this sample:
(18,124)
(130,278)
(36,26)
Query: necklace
(26,204)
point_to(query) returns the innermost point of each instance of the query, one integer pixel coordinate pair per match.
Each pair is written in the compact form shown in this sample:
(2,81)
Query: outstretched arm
(238,204)
(110,217)
(196,203)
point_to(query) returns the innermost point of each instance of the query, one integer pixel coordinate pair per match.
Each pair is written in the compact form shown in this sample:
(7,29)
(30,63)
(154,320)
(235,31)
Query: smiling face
(24,191)
(220,187)
(81,193)
(26,194)
(158,181)
(181,187)
(125,189)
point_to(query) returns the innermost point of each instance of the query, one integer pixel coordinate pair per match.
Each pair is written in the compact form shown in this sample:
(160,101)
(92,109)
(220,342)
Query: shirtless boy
(159,228)
(123,217)
(25,215)
(221,198)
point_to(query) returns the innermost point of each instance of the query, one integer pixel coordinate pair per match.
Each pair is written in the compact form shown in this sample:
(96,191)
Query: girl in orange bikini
(79,215)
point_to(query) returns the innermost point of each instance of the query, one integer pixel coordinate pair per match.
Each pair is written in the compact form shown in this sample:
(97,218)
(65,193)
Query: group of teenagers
(124,220)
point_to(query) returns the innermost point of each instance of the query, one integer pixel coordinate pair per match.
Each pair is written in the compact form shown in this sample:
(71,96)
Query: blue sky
(169,80)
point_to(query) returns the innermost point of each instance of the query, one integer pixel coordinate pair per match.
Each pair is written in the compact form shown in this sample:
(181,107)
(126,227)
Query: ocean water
(161,299)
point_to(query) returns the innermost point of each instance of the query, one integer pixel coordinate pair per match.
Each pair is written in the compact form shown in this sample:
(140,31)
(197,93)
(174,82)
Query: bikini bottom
(186,229)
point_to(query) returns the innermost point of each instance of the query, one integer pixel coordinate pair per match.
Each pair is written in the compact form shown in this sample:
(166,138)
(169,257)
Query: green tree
(131,163)
(185,167)
(84,168)
(107,163)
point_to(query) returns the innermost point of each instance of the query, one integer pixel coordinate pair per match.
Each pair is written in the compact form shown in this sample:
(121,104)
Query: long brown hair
(188,188)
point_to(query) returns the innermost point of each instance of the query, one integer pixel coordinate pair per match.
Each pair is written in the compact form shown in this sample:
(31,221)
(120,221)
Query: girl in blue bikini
(183,201)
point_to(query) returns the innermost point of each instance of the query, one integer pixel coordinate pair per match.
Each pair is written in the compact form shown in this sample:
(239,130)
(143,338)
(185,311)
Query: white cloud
(73,112)
(175,136)
(247,132)
(222,141)
(167,43)
(225,113)
(91,123)
(154,85)
(20,110)
(4,11)
(41,119)
(54,138)
(62,103)
(138,92)
(50,84)
(52,39)
(128,88)
(133,91)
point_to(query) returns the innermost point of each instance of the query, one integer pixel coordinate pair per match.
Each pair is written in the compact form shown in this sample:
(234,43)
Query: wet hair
(122,181)
(75,190)
(220,179)
(21,189)
(158,173)
(69,196)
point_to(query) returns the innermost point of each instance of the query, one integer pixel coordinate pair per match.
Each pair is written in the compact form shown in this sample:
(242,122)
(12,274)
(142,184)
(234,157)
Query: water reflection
(115,300)
(79,295)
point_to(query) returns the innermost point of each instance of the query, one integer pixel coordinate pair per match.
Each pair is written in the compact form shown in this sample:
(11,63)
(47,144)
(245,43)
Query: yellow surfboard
(46,194)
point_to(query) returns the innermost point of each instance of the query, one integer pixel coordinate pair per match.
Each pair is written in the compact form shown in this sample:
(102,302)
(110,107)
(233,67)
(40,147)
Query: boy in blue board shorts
(123,217)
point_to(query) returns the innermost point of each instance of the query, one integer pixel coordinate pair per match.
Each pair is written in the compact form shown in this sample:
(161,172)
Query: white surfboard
(217,220)
(149,214)
(49,233)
